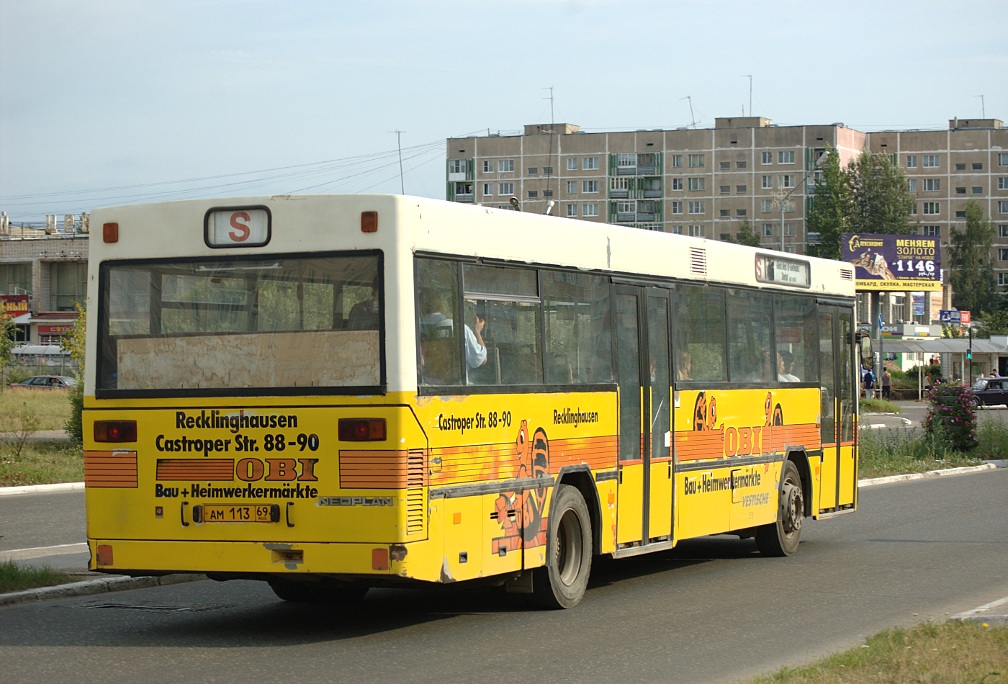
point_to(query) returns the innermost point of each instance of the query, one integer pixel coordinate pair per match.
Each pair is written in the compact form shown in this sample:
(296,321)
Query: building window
(960,167)
(697,207)
(572,164)
(931,231)
(505,189)
(1002,207)
(505,166)
(725,189)
(589,164)
(978,166)
(68,285)
(677,207)
(931,161)
(1002,254)
(786,157)
(932,208)
(626,161)
(725,165)
(488,189)
(788,230)
(741,164)
(911,161)
(677,184)
(487,166)
(767,158)
(456,166)
(740,213)
(619,184)
(589,186)
(767,230)
(1003,230)
(911,185)
(533,171)
(626,207)
(740,189)
(677,161)
(766,182)
(696,161)
(787,181)
(766,206)
(933,185)
(961,190)
(695,183)
(548,170)
(589,210)
(1002,182)
(960,214)
(571,210)
(572,187)
(696,231)
(977,190)
(532,194)
(677,230)
(1003,159)
(724,213)
(1002,279)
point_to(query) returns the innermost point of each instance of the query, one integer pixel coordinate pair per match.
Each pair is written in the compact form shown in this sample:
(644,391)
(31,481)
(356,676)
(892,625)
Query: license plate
(238,513)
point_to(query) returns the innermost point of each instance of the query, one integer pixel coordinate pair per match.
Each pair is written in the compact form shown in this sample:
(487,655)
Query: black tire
(318,591)
(562,582)
(975,403)
(781,538)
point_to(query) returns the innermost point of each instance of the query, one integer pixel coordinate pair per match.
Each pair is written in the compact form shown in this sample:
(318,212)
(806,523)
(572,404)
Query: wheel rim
(569,548)
(794,506)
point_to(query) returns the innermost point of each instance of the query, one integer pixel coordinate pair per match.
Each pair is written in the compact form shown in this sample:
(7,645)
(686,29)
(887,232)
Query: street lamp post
(781,197)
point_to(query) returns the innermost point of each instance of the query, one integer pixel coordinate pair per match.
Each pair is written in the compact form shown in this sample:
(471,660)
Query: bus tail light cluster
(115,431)
(362,429)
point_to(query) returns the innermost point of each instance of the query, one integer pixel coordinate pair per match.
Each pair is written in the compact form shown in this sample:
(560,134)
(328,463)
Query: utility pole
(749,76)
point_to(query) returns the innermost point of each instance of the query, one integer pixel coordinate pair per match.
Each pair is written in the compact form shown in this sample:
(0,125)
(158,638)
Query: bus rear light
(369,221)
(115,431)
(362,429)
(110,232)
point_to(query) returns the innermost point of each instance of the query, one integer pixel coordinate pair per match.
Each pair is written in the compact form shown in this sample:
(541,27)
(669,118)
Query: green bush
(950,417)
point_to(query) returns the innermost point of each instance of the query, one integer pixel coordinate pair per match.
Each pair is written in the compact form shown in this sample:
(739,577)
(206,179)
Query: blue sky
(107,102)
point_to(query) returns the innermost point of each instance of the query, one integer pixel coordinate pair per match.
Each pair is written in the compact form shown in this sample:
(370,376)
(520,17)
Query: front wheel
(780,538)
(564,579)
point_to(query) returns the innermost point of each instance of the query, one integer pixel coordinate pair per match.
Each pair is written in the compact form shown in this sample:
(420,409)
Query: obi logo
(276,469)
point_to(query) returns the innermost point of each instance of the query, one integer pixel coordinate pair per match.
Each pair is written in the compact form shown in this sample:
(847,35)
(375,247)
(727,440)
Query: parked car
(990,392)
(45,382)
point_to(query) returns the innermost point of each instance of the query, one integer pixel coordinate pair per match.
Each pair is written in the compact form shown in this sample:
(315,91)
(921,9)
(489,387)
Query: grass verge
(40,463)
(954,651)
(17,578)
(45,409)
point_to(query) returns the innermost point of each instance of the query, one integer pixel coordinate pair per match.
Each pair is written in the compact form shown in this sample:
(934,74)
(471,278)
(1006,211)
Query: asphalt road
(710,610)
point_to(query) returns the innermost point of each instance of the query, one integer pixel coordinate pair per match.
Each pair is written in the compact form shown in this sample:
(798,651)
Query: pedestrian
(868,381)
(886,384)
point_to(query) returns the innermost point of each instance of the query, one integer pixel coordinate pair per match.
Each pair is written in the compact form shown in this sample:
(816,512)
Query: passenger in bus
(684,368)
(785,366)
(435,325)
(364,315)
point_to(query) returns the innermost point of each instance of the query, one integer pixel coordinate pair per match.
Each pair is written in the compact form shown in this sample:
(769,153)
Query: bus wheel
(563,580)
(317,592)
(781,538)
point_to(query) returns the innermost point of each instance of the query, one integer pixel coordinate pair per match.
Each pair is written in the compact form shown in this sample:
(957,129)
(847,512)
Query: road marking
(43,551)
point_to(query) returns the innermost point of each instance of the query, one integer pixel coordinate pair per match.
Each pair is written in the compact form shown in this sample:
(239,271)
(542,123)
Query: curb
(985,615)
(101,585)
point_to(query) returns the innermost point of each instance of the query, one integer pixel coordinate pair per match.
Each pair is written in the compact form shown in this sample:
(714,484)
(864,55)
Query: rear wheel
(564,579)
(320,591)
(781,538)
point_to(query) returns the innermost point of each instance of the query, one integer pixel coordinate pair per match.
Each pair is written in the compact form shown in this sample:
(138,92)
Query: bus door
(836,362)
(644,501)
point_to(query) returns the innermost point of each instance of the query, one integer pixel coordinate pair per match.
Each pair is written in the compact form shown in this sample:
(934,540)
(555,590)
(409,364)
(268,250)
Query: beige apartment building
(706,182)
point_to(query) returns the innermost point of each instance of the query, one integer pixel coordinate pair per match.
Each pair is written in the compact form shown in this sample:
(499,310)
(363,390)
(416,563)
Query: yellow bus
(333,393)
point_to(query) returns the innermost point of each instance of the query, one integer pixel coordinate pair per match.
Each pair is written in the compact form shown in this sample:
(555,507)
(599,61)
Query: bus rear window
(241,325)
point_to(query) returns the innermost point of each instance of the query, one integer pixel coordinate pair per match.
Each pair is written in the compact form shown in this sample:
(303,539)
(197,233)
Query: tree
(74,343)
(881,201)
(6,339)
(746,235)
(831,205)
(974,287)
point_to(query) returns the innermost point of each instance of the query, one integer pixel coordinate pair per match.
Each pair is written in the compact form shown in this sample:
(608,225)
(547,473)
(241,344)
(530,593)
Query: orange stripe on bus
(190,468)
(380,470)
(110,469)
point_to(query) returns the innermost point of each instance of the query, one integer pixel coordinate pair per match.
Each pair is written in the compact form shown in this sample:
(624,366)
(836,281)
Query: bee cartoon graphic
(704,412)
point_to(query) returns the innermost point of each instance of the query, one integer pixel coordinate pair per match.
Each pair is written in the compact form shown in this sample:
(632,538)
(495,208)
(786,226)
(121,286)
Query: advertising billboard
(892,262)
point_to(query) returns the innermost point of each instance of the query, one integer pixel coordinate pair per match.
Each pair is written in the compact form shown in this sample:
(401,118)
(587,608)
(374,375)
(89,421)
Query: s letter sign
(237,227)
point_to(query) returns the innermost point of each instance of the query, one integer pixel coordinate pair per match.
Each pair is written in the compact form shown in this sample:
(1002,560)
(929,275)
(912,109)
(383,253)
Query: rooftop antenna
(402,185)
(749,76)
(983,112)
(692,120)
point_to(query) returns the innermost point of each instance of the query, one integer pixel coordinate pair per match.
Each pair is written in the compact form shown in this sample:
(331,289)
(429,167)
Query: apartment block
(706,182)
